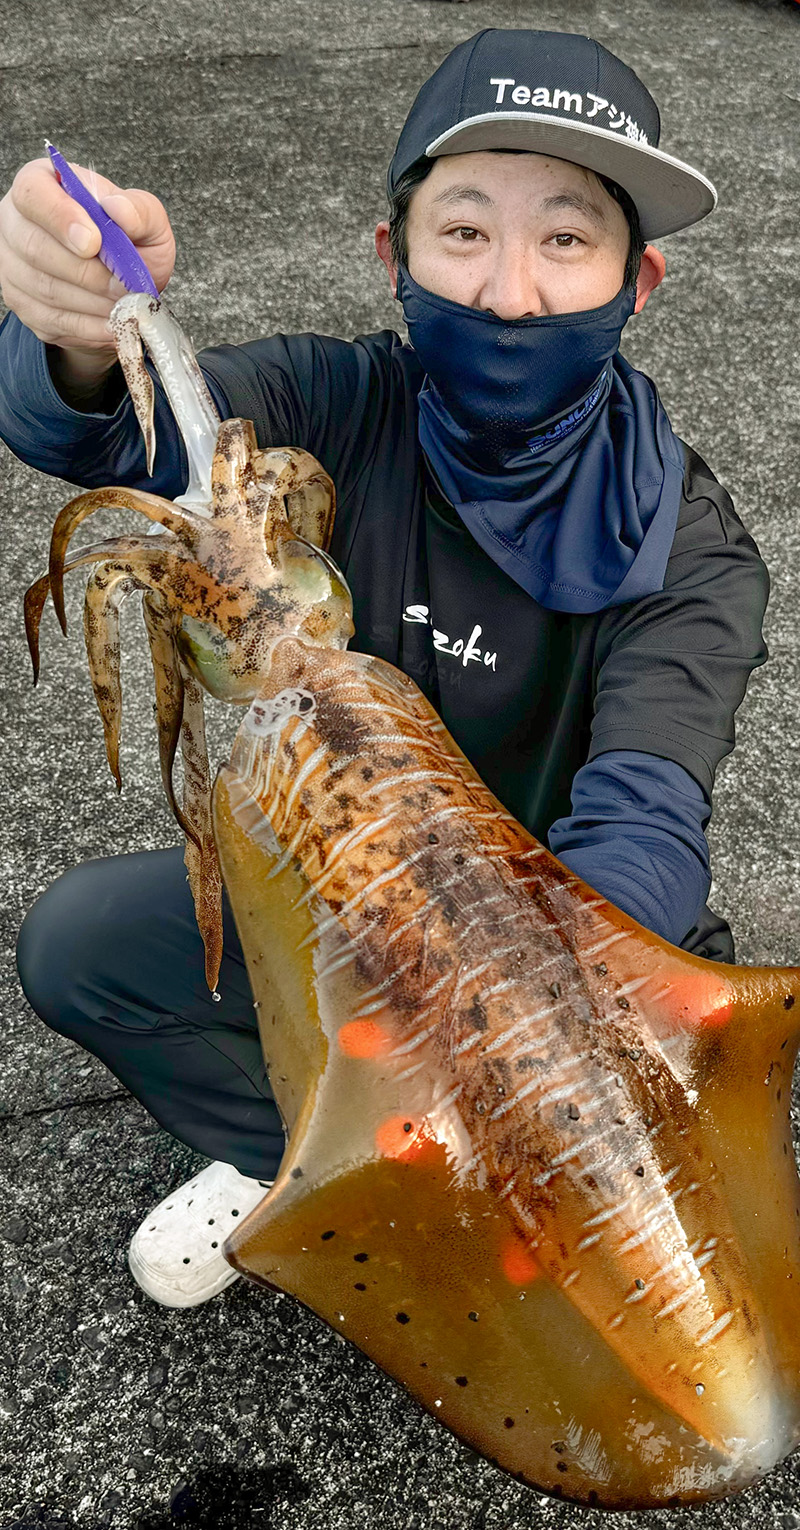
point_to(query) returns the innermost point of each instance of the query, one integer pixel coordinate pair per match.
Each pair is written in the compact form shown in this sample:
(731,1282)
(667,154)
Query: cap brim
(668,194)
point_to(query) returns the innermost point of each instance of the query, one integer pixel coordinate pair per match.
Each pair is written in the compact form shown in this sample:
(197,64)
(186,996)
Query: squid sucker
(539,1164)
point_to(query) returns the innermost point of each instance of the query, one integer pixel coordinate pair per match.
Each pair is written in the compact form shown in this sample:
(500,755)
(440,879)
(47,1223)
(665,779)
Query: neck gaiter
(557,455)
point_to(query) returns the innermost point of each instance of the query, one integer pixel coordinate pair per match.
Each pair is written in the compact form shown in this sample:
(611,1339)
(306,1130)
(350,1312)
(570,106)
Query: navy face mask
(556,454)
(500,379)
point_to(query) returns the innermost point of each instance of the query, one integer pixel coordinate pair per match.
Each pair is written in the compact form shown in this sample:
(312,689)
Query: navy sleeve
(672,668)
(636,835)
(310,391)
(90,450)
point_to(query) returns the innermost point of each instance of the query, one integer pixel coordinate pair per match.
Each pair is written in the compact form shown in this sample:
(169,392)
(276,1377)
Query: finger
(143,218)
(62,327)
(55,275)
(139,214)
(40,251)
(40,199)
(37,202)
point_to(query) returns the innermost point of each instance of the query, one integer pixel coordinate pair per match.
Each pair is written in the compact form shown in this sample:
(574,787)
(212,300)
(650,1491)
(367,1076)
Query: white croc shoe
(176,1255)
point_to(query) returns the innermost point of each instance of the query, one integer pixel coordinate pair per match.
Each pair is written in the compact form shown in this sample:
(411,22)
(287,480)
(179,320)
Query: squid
(538,1164)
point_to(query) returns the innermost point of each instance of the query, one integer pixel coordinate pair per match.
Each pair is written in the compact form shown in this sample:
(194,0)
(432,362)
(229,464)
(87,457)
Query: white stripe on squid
(415,1041)
(400,1078)
(312,763)
(409,924)
(602,945)
(677,1302)
(654,1227)
(352,903)
(405,778)
(349,841)
(606,1216)
(632,987)
(502,1110)
(502,987)
(380,988)
(289,853)
(519,1025)
(716,1328)
(440,1106)
(336,965)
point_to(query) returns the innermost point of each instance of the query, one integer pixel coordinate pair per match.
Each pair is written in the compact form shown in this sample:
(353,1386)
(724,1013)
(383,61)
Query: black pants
(110,956)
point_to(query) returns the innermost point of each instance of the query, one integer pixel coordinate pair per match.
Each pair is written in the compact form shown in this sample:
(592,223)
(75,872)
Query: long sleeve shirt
(630,709)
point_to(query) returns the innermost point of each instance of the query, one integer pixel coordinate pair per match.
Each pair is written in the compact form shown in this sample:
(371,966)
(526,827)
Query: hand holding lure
(116,251)
(152,322)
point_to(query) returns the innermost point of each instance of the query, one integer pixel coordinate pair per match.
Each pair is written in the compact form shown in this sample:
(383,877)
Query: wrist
(89,381)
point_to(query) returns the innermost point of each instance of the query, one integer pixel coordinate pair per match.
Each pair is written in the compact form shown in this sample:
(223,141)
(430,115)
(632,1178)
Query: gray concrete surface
(266,129)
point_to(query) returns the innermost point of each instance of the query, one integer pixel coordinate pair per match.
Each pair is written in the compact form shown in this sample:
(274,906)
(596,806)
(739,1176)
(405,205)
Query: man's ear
(651,275)
(384,249)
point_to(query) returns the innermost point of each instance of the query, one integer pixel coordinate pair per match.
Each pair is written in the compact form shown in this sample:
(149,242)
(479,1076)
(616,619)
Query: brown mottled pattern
(221,590)
(605,1118)
(470,931)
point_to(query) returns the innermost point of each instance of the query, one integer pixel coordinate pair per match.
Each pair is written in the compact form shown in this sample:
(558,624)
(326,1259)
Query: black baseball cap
(560,94)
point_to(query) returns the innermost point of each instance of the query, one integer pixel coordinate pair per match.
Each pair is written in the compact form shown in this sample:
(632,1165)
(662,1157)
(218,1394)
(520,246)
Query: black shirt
(529,694)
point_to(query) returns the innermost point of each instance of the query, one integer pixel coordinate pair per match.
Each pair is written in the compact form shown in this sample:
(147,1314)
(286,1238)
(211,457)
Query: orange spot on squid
(519,1265)
(698,998)
(363,1038)
(399,1136)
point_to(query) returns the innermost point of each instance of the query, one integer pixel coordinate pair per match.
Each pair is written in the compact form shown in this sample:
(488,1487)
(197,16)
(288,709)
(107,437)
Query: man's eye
(469,234)
(573,238)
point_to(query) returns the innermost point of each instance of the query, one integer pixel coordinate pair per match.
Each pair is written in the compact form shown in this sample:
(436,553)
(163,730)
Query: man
(522,532)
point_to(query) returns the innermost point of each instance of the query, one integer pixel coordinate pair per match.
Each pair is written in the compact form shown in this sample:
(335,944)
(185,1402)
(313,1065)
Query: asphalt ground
(266,130)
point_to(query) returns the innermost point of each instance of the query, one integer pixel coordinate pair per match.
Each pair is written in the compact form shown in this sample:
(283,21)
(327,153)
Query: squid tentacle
(182,522)
(200,856)
(130,354)
(106,591)
(160,564)
(139,320)
(308,492)
(168,674)
(35,598)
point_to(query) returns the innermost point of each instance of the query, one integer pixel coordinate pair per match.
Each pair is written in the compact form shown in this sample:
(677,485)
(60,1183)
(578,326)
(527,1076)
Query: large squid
(539,1162)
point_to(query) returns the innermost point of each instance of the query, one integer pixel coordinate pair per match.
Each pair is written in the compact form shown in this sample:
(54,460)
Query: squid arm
(202,861)
(159,510)
(105,592)
(137,320)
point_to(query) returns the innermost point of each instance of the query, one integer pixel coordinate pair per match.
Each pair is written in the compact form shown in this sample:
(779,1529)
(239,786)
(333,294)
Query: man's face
(517,235)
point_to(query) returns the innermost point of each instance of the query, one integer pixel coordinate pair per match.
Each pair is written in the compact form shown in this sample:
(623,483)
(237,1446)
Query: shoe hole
(169,1208)
(234,1213)
(264,1183)
(152,1229)
(187,1261)
(190,1203)
(211,1221)
(215,1245)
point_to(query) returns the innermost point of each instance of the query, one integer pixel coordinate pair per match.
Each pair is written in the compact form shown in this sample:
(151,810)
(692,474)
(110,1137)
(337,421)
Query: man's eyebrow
(577,202)
(464,194)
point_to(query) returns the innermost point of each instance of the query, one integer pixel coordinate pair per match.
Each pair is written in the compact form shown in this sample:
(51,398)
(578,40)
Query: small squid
(539,1163)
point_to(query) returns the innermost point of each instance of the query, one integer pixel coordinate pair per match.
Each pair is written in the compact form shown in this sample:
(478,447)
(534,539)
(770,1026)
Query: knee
(55,945)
